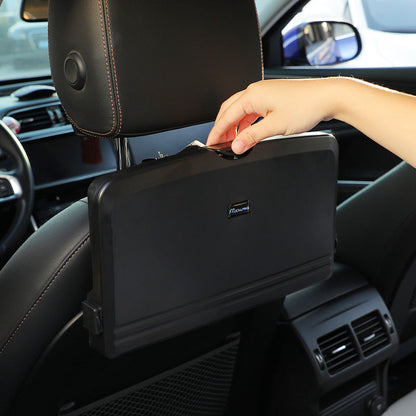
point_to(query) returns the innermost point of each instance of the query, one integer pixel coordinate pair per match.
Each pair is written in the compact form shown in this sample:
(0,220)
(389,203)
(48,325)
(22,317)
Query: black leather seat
(403,407)
(376,236)
(125,68)
(41,288)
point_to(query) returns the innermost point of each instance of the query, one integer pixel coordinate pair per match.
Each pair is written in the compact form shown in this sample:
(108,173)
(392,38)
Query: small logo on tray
(239,208)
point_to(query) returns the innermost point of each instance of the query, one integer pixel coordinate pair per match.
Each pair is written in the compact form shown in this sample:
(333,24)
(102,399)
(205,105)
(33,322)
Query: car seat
(186,68)
(403,407)
(376,229)
(124,68)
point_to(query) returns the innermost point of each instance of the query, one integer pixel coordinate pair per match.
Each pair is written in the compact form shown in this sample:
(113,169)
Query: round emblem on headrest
(75,70)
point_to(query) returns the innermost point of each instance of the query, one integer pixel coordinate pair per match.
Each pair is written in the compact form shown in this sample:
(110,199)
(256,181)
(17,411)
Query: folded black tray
(191,239)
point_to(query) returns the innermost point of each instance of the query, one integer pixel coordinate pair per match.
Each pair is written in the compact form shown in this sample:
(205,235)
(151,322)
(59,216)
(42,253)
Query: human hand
(287,107)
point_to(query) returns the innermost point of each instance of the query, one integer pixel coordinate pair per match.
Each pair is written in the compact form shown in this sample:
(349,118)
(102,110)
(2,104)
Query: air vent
(338,349)
(40,118)
(371,333)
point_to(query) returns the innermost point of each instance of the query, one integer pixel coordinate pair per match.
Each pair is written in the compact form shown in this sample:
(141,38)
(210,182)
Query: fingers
(227,103)
(231,113)
(236,116)
(278,102)
(253,134)
(231,133)
(247,122)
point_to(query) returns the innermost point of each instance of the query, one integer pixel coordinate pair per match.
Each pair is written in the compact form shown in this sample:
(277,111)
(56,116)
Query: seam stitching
(55,277)
(260,41)
(82,130)
(111,131)
(113,63)
(107,64)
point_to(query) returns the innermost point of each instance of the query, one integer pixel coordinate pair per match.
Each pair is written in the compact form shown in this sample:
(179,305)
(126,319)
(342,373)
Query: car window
(391,16)
(387,30)
(23,45)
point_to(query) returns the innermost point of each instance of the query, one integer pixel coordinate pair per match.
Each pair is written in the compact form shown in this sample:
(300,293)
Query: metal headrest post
(122,148)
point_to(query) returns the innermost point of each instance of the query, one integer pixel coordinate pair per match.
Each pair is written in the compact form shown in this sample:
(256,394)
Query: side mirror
(321,43)
(35,10)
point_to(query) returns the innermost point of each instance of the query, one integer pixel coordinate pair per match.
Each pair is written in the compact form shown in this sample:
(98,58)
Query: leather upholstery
(151,65)
(376,228)
(376,233)
(404,407)
(23,172)
(41,288)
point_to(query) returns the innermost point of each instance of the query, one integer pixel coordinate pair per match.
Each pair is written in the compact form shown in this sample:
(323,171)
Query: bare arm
(295,106)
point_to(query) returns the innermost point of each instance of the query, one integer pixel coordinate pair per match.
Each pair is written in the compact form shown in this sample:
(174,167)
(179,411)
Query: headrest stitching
(111,131)
(85,131)
(107,65)
(42,295)
(260,41)
(113,63)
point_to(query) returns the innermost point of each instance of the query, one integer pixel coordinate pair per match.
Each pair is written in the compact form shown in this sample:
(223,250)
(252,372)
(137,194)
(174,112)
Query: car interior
(144,273)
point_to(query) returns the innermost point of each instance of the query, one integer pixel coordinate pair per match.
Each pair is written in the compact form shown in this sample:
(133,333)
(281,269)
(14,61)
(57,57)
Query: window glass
(391,16)
(387,30)
(23,45)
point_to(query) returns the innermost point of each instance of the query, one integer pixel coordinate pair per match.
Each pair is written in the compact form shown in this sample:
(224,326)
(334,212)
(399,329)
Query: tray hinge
(92,317)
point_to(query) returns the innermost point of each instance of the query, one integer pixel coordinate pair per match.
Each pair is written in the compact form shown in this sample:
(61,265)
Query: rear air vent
(39,118)
(338,349)
(371,333)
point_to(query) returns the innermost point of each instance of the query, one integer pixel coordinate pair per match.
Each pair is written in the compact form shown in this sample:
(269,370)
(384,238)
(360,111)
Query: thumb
(253,134)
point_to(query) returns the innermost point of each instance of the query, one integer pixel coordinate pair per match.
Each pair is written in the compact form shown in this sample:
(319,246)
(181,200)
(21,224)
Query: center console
(338,338)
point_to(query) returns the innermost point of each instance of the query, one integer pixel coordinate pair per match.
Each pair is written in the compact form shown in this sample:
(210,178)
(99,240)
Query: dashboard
(63,163)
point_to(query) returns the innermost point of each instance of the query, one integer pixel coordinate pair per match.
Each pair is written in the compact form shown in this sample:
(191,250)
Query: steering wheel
(17,186)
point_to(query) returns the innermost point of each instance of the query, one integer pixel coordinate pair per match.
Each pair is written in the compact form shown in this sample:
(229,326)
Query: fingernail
(238,147)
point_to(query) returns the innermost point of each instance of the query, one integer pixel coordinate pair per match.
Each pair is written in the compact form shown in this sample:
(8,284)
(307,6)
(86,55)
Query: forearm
(295,106)
(388,117)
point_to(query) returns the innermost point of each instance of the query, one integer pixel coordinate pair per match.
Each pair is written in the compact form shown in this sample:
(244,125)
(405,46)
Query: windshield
(391,15)
(23,46)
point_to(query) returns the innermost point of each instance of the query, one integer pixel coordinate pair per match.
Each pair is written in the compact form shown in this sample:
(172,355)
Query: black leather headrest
(131,67)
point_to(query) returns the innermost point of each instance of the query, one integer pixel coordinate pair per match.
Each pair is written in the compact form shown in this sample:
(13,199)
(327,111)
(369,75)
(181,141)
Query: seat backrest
(128,68)
(376,235)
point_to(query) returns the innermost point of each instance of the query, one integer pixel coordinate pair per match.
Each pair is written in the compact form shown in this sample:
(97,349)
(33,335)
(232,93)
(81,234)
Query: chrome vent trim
(338,349)
(39,118)
(371,333)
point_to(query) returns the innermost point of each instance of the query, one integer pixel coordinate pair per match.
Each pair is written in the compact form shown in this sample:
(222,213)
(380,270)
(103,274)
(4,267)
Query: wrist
(336,97)
(344,96)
